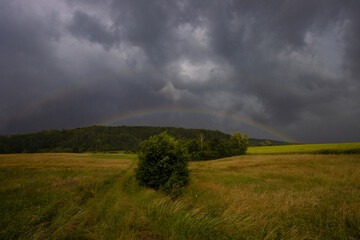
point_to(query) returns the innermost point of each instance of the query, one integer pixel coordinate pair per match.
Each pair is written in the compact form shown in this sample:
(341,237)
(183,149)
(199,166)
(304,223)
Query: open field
(95,196)
(336,148)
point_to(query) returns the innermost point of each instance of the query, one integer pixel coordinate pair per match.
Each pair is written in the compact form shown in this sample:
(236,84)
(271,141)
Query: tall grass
(85,196)
(284,196)
(44,194)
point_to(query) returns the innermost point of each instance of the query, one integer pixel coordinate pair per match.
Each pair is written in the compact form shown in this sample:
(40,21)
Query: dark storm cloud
(352,38)
(26,57)
(290,65)
(90,28)
(148,25)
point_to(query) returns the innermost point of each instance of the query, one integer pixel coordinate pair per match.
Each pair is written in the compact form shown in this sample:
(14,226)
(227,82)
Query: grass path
(47,196)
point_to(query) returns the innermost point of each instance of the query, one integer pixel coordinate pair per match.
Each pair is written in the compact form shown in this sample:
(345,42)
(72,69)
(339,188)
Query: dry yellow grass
(92,196)
(61,160)
(282,193)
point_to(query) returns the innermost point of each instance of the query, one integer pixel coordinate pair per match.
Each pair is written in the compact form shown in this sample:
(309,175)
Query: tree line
(206,149)
(100,138)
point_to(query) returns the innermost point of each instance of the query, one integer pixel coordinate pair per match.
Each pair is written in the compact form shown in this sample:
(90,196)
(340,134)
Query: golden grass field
(95,196)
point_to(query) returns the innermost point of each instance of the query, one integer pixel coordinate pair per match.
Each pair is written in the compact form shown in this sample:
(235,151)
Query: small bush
(163,164)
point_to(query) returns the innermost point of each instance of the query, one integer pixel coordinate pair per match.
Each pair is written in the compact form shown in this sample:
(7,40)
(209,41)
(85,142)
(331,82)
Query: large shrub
(163,164)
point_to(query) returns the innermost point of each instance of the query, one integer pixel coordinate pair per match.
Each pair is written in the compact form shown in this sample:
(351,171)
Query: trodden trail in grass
(128,211)
(48,195)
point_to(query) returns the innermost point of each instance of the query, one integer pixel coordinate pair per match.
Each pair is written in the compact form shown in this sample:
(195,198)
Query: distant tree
(163,164)
(201,139)
(265,143)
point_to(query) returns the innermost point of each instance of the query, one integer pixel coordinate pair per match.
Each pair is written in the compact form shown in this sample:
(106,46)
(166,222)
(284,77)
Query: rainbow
(61,92)
(160,110)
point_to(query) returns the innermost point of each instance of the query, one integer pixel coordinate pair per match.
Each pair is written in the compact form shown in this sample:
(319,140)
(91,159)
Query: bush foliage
(163,164)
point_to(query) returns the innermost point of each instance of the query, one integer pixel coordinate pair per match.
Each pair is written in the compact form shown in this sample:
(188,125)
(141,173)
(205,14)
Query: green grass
(127,156)
(95,196)
(334,148)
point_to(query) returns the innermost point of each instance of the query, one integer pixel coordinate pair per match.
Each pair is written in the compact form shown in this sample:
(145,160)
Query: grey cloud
(176,95)
(144,24)
(26,57)
(263,60)
(88,105)
(90,28)
(352,38)
(152,26)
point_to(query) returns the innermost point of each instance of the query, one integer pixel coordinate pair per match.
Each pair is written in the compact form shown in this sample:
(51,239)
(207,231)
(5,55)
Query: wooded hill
(101,138)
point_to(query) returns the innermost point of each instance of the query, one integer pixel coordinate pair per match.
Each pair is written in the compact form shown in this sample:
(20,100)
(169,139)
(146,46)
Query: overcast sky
(290,66)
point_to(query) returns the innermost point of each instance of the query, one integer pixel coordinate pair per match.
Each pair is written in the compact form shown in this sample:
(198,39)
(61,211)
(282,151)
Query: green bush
(163,164)
(239,144)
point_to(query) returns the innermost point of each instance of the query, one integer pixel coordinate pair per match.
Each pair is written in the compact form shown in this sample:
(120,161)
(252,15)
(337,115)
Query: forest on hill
(103,138)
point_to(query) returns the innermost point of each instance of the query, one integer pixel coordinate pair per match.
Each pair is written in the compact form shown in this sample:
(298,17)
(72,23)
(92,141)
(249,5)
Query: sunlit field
(336,148)
(95,196)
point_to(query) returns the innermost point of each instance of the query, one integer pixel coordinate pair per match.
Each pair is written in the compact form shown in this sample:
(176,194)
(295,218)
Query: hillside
(102,138)
(95,138)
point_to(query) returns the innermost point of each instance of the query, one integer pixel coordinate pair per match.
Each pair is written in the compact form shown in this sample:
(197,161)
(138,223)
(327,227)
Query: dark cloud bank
(293,66)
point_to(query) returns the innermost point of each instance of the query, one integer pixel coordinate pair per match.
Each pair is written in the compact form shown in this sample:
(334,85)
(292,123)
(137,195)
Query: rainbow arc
(154,111)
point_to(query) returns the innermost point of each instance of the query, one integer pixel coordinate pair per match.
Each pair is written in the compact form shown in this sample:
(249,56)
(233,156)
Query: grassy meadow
(95,196)
(332,148)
